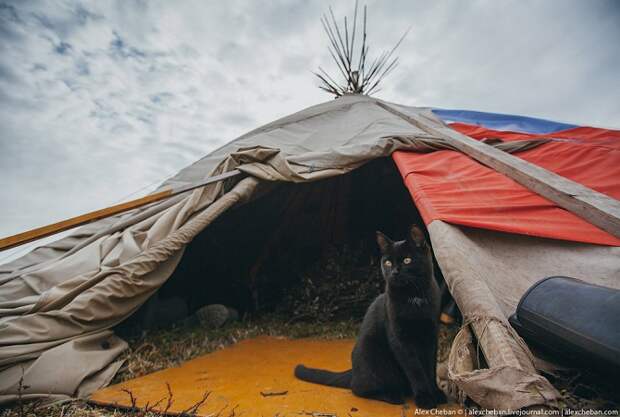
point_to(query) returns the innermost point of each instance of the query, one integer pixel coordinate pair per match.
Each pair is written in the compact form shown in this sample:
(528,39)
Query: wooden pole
(596,208)
(51,229)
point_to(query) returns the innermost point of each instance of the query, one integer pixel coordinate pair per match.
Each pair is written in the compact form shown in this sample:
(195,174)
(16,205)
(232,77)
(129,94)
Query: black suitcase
(575,322)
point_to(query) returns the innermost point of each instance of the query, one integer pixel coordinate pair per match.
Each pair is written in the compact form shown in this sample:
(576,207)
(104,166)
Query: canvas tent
(59,303)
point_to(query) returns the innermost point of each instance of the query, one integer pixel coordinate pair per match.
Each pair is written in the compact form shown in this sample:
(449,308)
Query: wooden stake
(51,229)
(596,208)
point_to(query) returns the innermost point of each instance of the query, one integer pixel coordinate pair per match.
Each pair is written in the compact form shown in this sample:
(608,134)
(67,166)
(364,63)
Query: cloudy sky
(100,100)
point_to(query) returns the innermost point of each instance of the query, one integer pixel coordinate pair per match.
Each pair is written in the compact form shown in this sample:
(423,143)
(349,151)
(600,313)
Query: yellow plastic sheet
(254,378)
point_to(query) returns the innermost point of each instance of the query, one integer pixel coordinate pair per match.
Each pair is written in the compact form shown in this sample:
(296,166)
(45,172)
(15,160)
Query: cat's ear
(384,242)
(416,236)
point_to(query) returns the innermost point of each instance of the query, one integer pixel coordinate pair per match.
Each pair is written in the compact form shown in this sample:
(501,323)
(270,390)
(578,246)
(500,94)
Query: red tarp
(450,186)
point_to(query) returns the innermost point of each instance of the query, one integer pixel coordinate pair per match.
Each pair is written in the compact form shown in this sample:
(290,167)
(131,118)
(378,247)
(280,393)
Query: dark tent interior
(255,254)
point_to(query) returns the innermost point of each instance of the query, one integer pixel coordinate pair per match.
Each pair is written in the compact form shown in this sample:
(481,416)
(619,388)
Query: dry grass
(341,285)
(584,390)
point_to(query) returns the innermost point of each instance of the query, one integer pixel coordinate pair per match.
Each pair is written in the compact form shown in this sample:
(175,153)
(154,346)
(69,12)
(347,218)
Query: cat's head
(405,261)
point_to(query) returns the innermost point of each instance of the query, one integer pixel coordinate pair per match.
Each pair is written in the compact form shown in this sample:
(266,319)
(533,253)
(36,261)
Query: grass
(585,390)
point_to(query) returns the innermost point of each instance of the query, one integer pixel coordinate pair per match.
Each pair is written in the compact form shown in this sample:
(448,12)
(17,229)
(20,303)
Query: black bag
(572,320)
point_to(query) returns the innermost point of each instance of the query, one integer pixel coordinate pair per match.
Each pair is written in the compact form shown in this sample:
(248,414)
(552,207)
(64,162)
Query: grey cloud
(9,22)
(7,74)
(62,48)
(82,68)
(64,19)
(275,20)
(239,119)
(231,53)
(8,13)
(83,16)
(120,48)
(296,62)
(38,67)
(160,98)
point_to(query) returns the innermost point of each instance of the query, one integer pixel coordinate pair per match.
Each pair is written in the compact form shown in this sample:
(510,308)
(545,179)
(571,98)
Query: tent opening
(254,256)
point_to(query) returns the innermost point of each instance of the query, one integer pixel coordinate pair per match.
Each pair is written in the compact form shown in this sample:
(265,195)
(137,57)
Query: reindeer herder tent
(492,237)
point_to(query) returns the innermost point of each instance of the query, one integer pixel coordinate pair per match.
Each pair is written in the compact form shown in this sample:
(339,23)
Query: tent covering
(452,187)
(59,303)
(503,122)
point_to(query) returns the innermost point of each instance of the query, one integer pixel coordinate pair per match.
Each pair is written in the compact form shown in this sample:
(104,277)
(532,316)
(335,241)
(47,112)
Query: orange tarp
(450,186)
(255,378)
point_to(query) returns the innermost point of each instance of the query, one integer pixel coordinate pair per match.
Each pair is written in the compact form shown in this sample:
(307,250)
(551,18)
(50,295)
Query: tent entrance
(254,255)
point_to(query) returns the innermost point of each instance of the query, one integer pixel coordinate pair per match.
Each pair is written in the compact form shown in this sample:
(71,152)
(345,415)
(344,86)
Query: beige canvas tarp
(59,302)
(487,272)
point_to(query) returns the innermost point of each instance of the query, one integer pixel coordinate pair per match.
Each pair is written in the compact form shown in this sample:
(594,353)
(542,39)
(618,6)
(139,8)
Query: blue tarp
(502,121)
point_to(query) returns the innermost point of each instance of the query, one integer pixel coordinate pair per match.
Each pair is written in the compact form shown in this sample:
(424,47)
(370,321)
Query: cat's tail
(323,377)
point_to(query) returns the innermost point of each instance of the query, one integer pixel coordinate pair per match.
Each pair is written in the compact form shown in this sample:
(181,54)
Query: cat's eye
(407,260)
(387,263)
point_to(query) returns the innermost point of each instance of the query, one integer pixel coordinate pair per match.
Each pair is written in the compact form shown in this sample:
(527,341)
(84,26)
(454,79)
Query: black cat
(395,352)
